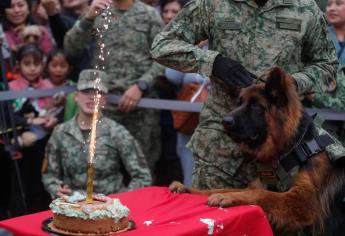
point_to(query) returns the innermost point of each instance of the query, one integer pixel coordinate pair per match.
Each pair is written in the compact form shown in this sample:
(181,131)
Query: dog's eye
(254,137)
(256,106)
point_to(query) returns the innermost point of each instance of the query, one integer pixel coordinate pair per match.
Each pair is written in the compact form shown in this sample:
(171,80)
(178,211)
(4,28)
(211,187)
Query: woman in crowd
(16,19)
(335,11)
(167,90)
(170,8)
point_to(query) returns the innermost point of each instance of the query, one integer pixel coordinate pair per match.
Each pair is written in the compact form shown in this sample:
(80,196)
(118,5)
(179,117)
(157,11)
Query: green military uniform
(334,99)
(67,152)
(286,33)
(127,37)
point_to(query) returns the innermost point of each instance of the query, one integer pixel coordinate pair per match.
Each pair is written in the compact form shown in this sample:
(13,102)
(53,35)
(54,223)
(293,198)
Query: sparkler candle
(92,147)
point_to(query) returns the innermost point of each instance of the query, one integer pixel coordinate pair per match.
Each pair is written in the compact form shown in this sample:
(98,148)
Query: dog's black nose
(228,121)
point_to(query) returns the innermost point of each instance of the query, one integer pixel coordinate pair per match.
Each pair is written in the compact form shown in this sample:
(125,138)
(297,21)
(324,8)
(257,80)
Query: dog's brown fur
(308,201)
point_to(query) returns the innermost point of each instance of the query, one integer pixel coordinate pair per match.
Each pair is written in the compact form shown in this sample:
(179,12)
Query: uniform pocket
(137,37)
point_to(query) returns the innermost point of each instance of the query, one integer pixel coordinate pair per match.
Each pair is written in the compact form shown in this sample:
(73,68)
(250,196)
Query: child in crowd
(30,66)
(58,69)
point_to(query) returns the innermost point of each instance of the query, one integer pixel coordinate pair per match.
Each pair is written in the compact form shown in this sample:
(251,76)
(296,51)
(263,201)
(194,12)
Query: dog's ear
(276,87)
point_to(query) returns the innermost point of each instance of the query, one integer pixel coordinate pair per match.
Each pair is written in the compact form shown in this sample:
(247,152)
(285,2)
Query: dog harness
(279,175)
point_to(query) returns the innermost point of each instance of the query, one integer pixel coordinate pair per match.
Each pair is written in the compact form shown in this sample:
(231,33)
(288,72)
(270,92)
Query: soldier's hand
(231,72)
(63,190)
(96,8)
(130,98)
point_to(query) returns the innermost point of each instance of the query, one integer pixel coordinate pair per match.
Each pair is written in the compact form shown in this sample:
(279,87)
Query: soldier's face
(335,12)
(87,101)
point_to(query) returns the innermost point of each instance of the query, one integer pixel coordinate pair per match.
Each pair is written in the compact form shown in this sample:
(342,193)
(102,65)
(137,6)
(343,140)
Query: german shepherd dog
(268,122)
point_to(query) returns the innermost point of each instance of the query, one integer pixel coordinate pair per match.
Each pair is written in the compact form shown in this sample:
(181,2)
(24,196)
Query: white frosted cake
(73,215)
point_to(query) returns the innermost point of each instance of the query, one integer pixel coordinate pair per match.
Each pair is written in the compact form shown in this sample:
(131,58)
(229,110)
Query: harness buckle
(310,148)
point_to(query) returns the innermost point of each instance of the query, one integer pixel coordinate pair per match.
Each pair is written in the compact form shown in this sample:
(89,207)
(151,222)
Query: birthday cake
(103,216)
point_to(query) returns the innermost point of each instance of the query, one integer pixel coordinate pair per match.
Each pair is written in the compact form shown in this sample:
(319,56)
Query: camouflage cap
(93,79)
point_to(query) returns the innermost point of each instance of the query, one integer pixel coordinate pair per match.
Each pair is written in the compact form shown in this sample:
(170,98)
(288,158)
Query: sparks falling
(92,147)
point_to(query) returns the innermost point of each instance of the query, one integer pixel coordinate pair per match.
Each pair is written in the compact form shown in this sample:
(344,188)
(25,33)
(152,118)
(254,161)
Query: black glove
(231,72)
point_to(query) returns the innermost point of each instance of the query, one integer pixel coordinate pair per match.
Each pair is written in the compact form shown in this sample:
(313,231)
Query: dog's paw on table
(177,187)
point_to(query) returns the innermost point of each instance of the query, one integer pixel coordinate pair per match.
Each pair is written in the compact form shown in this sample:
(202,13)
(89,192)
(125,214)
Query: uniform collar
(75,131)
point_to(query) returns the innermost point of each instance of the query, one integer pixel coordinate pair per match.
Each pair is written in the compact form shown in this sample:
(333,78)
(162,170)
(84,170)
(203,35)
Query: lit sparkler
(92,147)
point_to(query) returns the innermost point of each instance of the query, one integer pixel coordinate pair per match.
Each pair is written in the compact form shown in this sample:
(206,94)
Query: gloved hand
(231,72)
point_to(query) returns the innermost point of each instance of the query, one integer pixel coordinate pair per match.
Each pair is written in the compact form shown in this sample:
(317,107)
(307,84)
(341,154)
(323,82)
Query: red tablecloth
(156,211)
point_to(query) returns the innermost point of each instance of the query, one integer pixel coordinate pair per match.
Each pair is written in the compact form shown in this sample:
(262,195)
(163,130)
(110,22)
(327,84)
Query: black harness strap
(304,151)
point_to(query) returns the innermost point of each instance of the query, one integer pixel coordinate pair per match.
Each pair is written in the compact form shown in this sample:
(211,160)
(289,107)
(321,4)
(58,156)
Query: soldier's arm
(176,47)
(333,100)
(318,55)
(156,69)
(133,159)
(78,37)
(51,175)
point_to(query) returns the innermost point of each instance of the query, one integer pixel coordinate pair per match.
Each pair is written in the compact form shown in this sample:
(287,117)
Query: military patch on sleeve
(229,23)
(289,23)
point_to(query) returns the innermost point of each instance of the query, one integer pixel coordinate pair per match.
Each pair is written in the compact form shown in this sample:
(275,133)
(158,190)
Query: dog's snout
(228,121)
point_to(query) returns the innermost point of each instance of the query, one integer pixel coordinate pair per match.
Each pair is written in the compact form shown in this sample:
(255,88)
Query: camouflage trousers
(207,175)
(143,124)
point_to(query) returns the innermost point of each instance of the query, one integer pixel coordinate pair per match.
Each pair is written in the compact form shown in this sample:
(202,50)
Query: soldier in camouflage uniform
(334,98)
(67,148)
(256,35)
(127,37)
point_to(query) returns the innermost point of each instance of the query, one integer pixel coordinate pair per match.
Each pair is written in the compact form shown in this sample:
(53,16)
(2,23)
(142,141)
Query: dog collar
(304,151)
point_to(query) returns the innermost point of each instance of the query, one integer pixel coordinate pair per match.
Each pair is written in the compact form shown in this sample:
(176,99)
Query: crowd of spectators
(48,43)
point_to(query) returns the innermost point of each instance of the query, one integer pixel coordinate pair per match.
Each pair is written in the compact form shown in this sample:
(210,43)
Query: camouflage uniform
(67,152)
(334,99)
(287,33)
(128,38)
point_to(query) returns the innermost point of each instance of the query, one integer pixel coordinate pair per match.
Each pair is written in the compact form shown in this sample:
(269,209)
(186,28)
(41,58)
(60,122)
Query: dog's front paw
(177,187)
(222,200)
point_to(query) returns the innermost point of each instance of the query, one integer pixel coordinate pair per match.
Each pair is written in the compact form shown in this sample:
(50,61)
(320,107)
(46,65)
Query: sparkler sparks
(92,147)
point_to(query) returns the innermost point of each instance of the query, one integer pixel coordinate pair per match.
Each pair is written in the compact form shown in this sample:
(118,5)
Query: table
(157,211)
